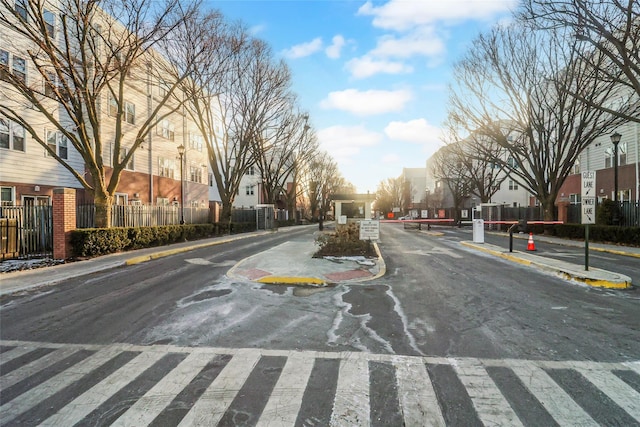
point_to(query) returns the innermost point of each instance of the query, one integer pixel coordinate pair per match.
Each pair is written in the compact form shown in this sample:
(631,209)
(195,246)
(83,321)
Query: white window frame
(60,143)
(131,164)
(50,24)
(166,168)
(166,129)
(513,186)
(196,141)
(130,112)
(14,132)
(12,196)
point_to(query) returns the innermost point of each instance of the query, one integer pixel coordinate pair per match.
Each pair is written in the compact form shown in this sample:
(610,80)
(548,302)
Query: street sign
(369,229)
(588,197)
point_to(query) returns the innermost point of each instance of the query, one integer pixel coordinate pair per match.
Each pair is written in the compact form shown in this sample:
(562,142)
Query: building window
(113,107)
(195,173)
(211,181)
(513,185)
(21,9)
(575,169)
(195,141)
(50,83)
(123,154)
(251,171)
(58,143)
(49,22)
(12,135)
(622,155)
(512,163)
(166,167)
(14,64)
(166,130)
(575,199)
(130,113)
(249,190)
(7,196)
(162,201)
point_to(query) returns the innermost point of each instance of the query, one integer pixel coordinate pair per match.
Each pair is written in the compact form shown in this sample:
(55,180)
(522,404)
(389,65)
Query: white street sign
(369,230)
(588,197)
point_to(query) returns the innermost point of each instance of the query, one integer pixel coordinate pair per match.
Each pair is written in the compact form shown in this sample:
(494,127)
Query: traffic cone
(530,245)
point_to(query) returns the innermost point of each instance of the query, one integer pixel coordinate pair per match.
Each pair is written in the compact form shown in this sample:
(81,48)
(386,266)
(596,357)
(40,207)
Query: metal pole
(181,190)
(586,247)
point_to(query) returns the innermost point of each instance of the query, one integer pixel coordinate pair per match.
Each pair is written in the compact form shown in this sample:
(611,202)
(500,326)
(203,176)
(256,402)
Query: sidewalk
(593,277)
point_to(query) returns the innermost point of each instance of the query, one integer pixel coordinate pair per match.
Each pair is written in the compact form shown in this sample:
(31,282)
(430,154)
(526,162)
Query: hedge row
(597,233)
(92,242)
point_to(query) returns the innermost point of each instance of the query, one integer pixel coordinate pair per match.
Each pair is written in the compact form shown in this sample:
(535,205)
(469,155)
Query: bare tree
(390,194)
(320,178)
(608,35)
(86,61)
(471,152)
(452,169)
(511,90)
(216,98)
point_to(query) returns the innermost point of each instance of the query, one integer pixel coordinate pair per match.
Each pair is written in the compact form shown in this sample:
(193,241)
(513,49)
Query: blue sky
(373,75)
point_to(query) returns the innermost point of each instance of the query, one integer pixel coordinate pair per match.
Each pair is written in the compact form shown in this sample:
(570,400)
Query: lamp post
(615,140)
(181,154)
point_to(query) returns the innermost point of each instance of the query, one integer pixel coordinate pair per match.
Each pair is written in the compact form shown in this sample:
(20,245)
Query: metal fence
(629,213)
(26,231)
(143,215)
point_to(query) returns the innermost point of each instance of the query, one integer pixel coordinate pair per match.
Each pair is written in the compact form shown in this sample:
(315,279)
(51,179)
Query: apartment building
(154,174)
(599,157)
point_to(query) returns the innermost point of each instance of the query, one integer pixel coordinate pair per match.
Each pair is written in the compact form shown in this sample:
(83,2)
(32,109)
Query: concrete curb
(594,277)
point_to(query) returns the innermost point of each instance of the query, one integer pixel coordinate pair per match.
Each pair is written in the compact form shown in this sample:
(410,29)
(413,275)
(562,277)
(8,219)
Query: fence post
(64,221)
(563,211)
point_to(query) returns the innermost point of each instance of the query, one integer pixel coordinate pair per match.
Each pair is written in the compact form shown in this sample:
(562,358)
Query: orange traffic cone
(530,245)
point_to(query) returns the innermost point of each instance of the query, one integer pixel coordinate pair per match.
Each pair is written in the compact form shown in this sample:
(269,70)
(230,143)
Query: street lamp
(615,140)
(181,154)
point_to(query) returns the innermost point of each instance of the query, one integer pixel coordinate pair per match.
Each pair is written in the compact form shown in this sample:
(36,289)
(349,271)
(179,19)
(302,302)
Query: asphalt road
(480,325)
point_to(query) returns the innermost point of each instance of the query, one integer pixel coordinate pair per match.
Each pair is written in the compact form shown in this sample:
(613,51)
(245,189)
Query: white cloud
(333,51)
(401,15)
(423,41)
(367,66)
(416,131)
(367,102)
(346,142)
(304,49)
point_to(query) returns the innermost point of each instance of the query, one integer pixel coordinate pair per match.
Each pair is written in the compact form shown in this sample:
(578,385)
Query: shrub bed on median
(344,242)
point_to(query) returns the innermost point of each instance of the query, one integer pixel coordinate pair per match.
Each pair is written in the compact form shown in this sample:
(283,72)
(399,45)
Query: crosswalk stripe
(351,405)
(84,404)
(491,405)
(555,400)
(417,396)
(147,408)
(286,397)
(34,367)
(32,397)
(14,353)
(617,390)
(417,400)
(213,403)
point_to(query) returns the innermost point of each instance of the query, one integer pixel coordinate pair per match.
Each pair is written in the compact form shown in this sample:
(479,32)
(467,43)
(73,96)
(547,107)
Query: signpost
(369,229)
(588,200)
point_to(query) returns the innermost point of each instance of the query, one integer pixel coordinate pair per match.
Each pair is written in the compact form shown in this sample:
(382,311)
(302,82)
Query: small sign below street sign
(588,197)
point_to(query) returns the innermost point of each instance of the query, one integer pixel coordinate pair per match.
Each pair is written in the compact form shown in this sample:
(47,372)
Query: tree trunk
(102,201)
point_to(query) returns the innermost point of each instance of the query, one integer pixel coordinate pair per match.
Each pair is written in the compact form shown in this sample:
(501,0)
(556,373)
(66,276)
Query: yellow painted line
(291,280)
(591,282)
